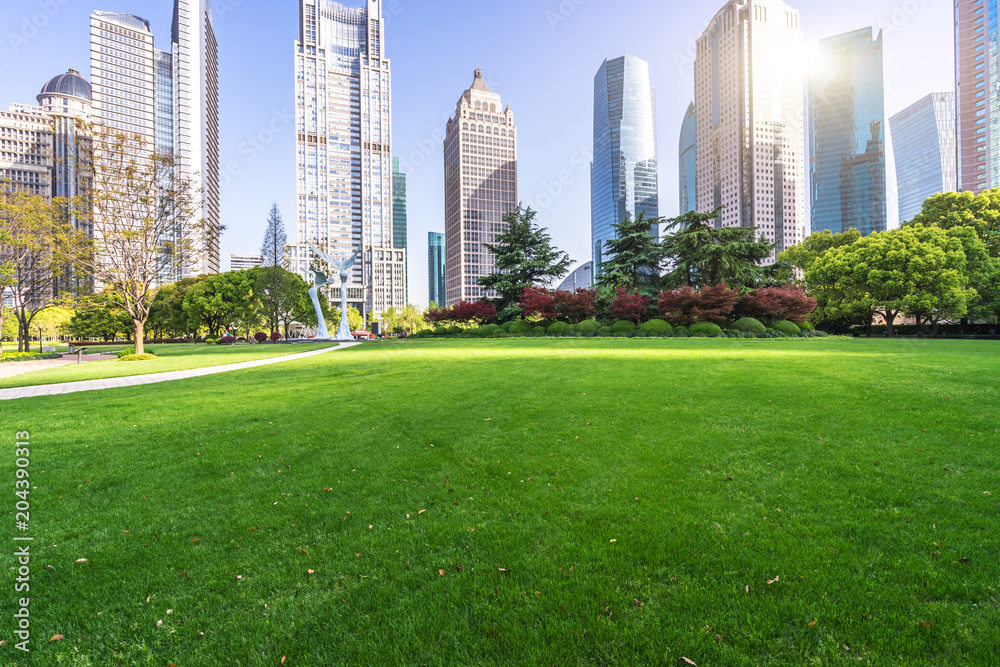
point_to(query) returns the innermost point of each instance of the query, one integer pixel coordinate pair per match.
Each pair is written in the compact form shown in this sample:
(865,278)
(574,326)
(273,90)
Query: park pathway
(156,378)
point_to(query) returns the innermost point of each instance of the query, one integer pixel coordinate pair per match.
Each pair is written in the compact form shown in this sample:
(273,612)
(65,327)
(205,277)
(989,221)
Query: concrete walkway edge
(155,378)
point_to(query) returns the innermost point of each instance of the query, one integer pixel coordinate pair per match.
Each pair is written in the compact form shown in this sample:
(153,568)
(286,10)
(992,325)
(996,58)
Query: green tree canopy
(703,255)
(635,257)
(524,257)
(965,209)
(218,302)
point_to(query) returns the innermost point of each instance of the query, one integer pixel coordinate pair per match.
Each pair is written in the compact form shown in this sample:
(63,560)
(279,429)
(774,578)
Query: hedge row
(27,356)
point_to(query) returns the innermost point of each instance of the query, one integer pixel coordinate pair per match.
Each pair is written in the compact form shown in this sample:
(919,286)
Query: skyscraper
(624,176)
(923,138)
(480,183)
(344,148)
(435,268)
(171,100)
(847,135)
(398,206)
(689,160)
(977,71)
(749,93)
(195,60)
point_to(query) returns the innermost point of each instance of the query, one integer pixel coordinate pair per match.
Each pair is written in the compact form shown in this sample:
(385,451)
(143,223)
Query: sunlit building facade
(624,175)
(847,135)
(688,151)
(435,268)
(977,86)
(923,139)
(344,149)
(480,181)
(749,100)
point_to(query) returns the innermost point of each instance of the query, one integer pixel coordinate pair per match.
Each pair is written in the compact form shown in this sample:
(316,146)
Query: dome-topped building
(67,94)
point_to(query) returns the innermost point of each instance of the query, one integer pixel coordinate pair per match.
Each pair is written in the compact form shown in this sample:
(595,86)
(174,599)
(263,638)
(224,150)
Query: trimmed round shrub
(227,340)
(588,327)
(211,341)
(681,332)
(805,326)
(138,357)
(275,336)
(519,327)
(455,330)
(604,331)
(441,331)
(706,329)
(505,327)
(126,353)
(749,325)
(472,333)
(558,329)
(788,328)
(260,337)
(489,330)
(623,326)
(540,329)
(424,332)
(659,327)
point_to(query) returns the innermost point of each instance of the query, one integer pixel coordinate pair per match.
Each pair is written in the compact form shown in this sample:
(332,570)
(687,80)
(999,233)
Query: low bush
(588,327)
(658,327)
(623,326)
(126,353)
(27,356)
(489,330)
(455,330)
(138,357)
(424,332)
(519,327)
(558,329)
(472,333)
(227,340)
(441,331)
(605,331)
(681,332)
(275,336)
(211,341)
(787,328)
(805,326)
(505,327)
(749,325)
(706,328)
(260,337)
(540,329)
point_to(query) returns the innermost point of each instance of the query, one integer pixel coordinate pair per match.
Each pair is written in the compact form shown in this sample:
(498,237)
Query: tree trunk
(868,325)
(890,317)
(964,322)
(140,343)
(920,327)
(936,325)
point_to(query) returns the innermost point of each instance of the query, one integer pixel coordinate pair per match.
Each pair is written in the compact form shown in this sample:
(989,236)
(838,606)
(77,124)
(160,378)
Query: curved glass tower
(689,161)
(923,137)
(624,181)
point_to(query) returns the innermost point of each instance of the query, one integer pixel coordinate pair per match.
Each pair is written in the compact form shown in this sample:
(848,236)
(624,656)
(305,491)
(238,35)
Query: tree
(524,256)
(635,256)
(772,304)
(100,316)
(219,302)
(411,320)
(576,306)
(146,212)
(629,305)
(815,245)
(38,246)
(275,238)
(686,306)
(703,255)
(464,312)
(538,302)
(279,294)
(6,282)
(965,209)
(913,269)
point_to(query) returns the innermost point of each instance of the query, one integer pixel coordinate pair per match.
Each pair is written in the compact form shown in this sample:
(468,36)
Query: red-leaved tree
(576,306)
(538,302)
(685,306)
(463,312)
(628,306)
(779,303)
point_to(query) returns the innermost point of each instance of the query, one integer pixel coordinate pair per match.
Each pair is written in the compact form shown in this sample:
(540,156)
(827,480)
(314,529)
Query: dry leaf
(159,624)
(421,511)
(773,581)
(925,624)
(441,572)
(613,541)
(282,659)
(311,571)
(56,638)
(690,662)
(488,420)
(82,560)
(812,624)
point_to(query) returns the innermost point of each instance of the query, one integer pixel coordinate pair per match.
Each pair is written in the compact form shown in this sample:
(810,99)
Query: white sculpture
(341,265)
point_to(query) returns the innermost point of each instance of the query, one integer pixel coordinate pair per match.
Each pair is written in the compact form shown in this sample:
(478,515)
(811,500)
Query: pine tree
(703,255)
(275,239)
(635,256)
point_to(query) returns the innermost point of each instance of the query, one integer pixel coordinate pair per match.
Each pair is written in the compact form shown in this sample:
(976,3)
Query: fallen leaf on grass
(774,581)
(441,572)
(159,624)
(690,662)
(613,541)
(812,624)
(56,638)
(488,420)
(310,571)
(282,659)
(82,560)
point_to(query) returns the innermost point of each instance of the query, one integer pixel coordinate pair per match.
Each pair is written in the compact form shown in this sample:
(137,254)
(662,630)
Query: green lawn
(172,358)
(525,502)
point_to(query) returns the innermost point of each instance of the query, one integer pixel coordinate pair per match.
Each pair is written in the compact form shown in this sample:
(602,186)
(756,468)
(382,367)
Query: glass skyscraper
(748,94)
(923,138)
(435,268)
(847,135)
(398,206)
(689,161)
(977,82)
(344,178)
(624,176)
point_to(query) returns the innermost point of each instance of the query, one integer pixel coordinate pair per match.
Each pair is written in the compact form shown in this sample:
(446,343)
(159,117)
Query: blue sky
(540,55)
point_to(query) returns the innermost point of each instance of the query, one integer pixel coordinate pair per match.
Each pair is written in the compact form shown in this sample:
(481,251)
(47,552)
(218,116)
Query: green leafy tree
(965,209)
(524,256)
(6,282)
(218,302)
(816,245)
(100,316)
(635,257)
(279,294)
(703,255)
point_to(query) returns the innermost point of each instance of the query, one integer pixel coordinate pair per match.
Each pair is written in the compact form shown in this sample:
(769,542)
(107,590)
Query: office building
(398,206)
(923,139)
(435,268)
(624,176)
(245,262)
(847,135)
(581,278)
(480,180)
(26,149)
(688,151)
(344,149)
(977,72)
(749,100)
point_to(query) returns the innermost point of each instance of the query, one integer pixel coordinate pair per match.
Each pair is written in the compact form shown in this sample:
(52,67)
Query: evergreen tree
(525,257)
(275,239)
(703,255)
(636,256)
